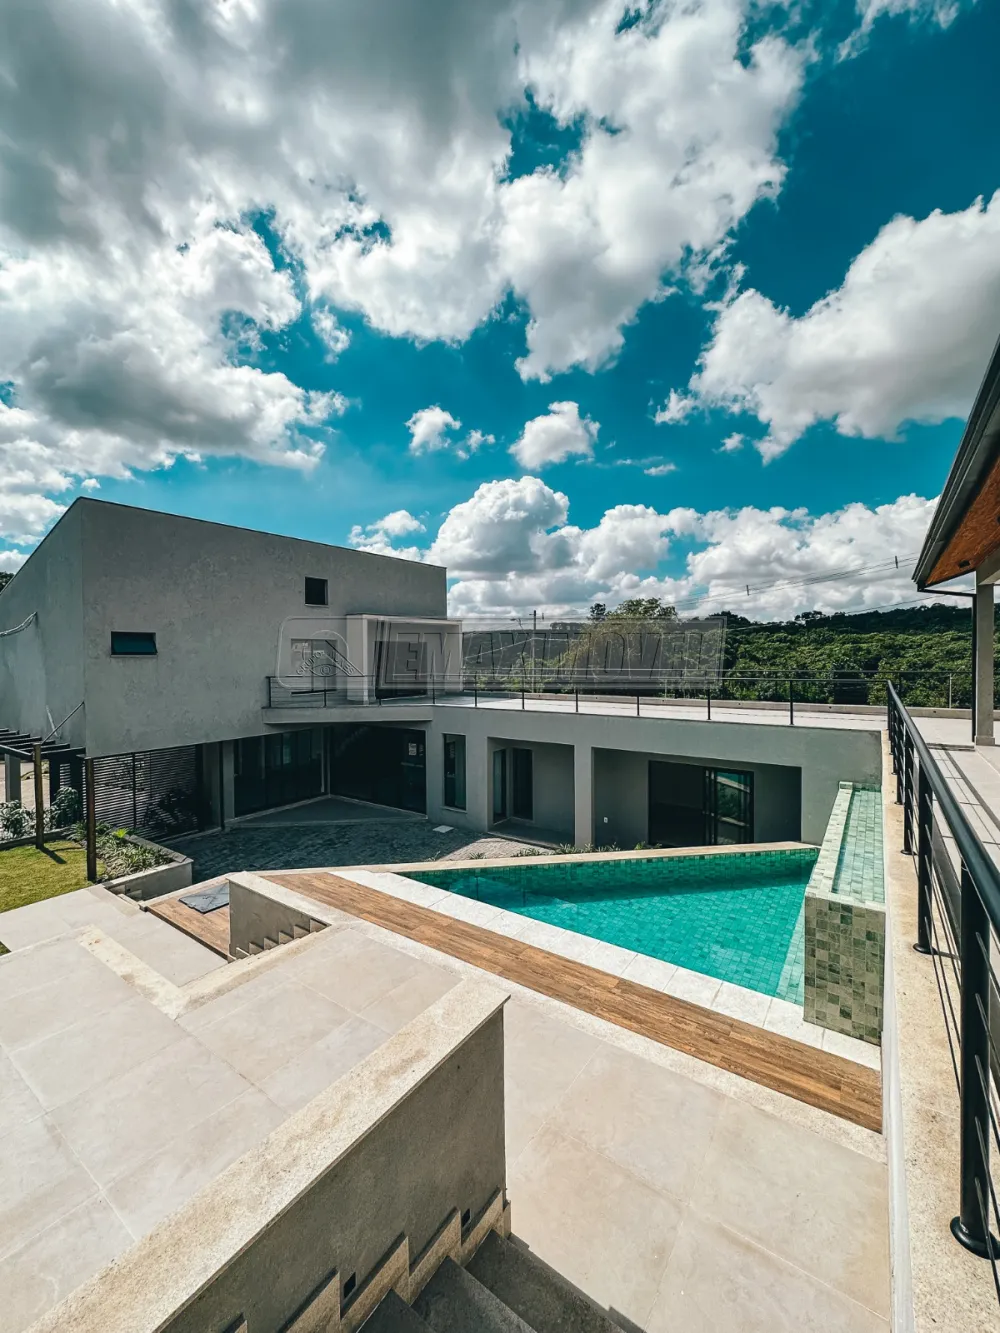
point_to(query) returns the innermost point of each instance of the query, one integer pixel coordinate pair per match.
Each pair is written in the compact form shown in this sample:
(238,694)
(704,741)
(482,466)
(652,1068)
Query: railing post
(971,1227)
(708,701)
(637,706)
(522,696)
(576,698)
(791,702)
(475,692)
(39,799)
(269,691)
(907,793)
(88,768)
(925,820)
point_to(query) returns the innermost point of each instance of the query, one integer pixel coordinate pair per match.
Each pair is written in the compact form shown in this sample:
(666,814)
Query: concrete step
(393,1315)
(535,1292)
(454,1302)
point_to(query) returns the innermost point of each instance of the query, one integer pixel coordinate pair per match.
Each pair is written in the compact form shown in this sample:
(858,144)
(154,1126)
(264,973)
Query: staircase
(503,1289)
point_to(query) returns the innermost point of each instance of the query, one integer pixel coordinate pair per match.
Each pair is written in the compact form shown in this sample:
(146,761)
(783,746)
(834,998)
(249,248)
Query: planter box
(175,873)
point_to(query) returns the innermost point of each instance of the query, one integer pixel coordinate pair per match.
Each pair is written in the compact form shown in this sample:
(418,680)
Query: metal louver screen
(154,792)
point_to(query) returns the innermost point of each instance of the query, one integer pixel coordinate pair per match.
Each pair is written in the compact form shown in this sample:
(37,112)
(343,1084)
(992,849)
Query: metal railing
(958,927)
(926,688)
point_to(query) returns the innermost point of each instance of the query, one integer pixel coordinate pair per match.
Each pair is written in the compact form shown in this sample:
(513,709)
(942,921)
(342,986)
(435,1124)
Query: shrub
(119,853)
(15,821)
(65,809)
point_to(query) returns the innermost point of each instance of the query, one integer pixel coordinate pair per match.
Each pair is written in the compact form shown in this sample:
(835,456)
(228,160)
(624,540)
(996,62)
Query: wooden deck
(208,928)
(815,1077)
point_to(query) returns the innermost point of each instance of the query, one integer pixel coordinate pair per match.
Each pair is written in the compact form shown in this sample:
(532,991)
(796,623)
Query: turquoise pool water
(738,917)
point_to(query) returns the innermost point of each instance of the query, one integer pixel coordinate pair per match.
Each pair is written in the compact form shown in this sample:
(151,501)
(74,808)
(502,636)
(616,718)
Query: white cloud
(377,538)
(11,562)
(556,436)
(906,337)
(331,333)
(660,469)
(428,428)
(732,444)
(675,409)
(941,12)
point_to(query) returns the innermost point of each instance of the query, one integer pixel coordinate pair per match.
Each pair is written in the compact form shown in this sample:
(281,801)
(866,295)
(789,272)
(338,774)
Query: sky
(583,300)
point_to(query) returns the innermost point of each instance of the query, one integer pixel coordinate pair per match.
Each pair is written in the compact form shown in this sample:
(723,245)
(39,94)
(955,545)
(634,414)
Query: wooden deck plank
(815,1077)
(208,928)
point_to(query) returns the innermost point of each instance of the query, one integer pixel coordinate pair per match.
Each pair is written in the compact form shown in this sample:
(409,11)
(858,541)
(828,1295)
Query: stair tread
(393,1315)
(534,1291)
(454,1302)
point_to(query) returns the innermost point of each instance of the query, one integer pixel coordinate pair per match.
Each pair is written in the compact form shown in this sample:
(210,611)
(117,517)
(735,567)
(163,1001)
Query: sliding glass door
(728,806)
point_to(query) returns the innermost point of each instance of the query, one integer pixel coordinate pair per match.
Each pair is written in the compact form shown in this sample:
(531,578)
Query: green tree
(5,578)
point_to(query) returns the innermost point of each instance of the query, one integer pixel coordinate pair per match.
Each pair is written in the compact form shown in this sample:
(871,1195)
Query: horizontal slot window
(132,643)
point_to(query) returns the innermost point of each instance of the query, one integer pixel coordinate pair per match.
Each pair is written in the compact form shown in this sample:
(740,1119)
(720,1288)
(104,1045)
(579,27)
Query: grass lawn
(28,875)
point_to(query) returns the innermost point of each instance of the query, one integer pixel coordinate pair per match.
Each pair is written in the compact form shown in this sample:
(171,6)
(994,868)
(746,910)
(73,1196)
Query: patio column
(983,664)
(12,778)
(477,785)
(583,795)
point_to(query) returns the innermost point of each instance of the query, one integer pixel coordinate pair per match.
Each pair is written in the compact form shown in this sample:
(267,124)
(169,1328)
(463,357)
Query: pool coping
(565,858)
(723,997)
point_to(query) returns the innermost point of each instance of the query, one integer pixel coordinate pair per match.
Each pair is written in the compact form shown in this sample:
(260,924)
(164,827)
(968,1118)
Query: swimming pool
(735,916)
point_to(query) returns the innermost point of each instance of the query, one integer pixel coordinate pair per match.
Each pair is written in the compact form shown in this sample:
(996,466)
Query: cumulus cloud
(660,469)
(334,337)
(559,434)
(675,409)
(378,537)
(732,444)
(906,337)
(511,548)
(431,429)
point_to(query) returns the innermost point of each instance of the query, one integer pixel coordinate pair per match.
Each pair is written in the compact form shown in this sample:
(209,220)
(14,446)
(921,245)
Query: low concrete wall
(174,874)
(383,1158)
(260,910)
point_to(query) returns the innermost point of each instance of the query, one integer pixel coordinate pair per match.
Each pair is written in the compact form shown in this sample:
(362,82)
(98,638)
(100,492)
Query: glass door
(522,797)
(499,785)
(728,806)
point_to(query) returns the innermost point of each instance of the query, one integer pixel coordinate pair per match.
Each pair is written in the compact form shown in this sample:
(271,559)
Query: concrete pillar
(583,795)
(228,762)
(12,778)
(434,761)
(983,665)
(477,780)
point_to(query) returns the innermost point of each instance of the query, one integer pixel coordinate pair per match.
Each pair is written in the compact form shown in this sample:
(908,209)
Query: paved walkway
(972,772)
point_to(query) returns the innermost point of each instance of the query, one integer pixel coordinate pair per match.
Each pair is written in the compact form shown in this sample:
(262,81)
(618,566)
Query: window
(454,772)
(132,643)
(316,594)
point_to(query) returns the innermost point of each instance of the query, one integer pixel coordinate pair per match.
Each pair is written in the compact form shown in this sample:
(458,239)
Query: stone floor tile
(749,1006)
(467,909)
(183,1165)
(255,987)
(18,1104)
(54,1262)
(397,1007)
(310,1071)
(167,951)
(113,1128)
(786,1019)
(651,972)
(717,1280)
(821,1206)
(23,926)
(67,1063)
(654,1122)
(28,969)
(521,1122)
(694,987)
(542,1054)
(262,1035)
(40,1180)
(356,971)
(593,1222)
(862,1052)
(86,992)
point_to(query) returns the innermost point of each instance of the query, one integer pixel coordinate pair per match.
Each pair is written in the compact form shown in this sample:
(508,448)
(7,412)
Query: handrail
(970,849)
(962,951)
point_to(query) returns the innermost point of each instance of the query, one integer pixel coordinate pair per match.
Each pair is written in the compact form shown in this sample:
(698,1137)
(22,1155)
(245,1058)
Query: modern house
(212,672)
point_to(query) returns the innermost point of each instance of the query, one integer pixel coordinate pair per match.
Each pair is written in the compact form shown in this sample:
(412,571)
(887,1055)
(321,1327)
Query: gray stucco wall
(621,795)
(826,756)
(551,784)
(215,596)
(41,669)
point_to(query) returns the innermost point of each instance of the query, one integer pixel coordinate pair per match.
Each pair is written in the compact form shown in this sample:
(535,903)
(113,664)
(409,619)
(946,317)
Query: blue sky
(795,259)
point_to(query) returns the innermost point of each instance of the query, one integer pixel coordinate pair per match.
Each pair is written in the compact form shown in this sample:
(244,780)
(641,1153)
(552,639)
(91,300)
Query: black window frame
(310,599)
(119,637)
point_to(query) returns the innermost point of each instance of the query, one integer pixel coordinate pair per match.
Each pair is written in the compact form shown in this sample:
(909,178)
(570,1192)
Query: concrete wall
(216,597)
(414,1135)
(825,756)
(41,669)
(551,783)
(621,795)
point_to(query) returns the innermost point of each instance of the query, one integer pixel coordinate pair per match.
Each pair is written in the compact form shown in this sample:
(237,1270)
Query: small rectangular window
(316,594)
(132,643)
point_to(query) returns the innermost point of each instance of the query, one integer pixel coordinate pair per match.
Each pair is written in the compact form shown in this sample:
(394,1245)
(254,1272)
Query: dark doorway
(728,806)
(276,770)
(676,813)
(384,765)
(522,799)
(499,784)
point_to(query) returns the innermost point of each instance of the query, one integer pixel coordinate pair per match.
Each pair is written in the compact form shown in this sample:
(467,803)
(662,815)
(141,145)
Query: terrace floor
(972,772)
(676,1193)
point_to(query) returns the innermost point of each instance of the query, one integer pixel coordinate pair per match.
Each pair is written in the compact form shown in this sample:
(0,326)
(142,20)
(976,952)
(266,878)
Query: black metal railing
(958,927)
(920,688)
